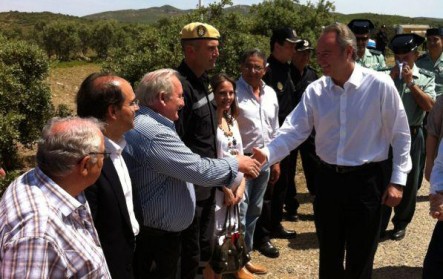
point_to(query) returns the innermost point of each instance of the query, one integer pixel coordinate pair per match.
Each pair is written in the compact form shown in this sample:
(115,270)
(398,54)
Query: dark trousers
(404,212)
(157,253)
(433,264)
(280,194)
(196,239)
(347,216)
(310,162)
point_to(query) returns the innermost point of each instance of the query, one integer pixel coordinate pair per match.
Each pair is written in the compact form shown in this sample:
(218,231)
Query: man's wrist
(410,84)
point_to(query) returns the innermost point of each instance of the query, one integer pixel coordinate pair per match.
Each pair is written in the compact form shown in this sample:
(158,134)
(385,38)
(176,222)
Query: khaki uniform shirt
(372,59)
(426,81)
(425,62)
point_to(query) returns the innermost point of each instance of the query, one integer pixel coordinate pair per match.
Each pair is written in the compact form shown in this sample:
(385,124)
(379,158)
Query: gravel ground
(394,259)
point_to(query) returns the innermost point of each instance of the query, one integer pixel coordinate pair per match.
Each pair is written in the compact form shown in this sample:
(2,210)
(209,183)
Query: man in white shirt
(357,115)
(112,100)
(258,123)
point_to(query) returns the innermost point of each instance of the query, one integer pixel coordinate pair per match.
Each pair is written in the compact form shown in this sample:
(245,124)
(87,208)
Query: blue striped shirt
(159,164)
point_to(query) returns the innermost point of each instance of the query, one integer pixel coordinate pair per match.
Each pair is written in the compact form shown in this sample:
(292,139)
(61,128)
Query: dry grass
(65,81)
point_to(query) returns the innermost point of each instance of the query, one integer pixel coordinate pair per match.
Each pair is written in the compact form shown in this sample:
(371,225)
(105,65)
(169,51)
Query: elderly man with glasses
(46,227)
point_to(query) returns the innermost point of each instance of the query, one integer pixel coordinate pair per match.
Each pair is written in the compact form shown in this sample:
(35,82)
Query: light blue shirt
(159,164)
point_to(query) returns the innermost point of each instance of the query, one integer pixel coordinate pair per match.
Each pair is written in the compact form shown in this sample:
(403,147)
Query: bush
(25,98)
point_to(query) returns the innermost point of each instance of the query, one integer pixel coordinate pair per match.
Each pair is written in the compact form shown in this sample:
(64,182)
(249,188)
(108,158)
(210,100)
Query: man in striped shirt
(162,169)
(46,227)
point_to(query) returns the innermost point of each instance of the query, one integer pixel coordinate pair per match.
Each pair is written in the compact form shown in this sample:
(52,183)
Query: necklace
(232,142)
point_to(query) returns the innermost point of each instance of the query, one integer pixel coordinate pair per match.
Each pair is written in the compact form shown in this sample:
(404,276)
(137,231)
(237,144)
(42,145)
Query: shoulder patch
(374,51)
(426,72)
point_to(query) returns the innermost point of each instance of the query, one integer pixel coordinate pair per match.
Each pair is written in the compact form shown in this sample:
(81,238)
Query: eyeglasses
(106,155)
(134,103)
(254,68)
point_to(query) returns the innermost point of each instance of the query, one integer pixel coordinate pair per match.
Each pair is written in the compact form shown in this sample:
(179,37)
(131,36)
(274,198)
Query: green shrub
(25,99)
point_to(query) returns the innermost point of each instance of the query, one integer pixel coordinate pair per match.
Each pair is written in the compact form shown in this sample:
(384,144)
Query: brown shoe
(256,269)
(244,274)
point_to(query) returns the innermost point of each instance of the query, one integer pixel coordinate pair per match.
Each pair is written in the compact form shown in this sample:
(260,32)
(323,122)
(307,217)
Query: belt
(348,169)
(414,130)
(158,232)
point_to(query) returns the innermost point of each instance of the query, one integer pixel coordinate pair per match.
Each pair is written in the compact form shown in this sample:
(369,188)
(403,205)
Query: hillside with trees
(131,43)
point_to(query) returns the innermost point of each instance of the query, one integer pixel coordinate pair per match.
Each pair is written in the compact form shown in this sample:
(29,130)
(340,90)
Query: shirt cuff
(233,163)
(399,177)
(266,151)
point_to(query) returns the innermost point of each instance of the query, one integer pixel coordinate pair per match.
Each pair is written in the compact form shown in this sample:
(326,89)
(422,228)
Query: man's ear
(162,98)
(349,52)
(111,112)
(84,165)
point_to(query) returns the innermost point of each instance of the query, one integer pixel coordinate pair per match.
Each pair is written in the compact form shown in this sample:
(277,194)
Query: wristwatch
(410,84)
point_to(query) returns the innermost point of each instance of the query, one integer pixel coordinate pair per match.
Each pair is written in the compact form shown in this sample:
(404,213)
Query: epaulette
(426,72)
(374,51)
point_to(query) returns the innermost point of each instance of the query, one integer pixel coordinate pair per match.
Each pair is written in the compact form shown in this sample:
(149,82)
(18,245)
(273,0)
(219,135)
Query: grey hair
(154,83)
(65,141)
(345,37)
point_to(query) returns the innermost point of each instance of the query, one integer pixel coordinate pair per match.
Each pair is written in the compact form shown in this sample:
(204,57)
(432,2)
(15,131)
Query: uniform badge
(210,89)
(280,86)
(201,30)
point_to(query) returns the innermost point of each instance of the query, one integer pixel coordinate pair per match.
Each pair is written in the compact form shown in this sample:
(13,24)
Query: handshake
(251,165)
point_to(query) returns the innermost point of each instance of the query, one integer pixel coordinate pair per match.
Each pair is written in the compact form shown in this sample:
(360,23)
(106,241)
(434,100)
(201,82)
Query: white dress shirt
(257,119)
(122,171)
(354,125)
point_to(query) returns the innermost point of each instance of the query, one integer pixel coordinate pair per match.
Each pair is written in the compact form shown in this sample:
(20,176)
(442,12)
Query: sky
(412,8)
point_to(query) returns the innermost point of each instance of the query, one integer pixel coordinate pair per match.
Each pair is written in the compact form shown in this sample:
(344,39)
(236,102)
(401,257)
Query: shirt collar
(243,83)
(189,74)
(115,147)
(415,71)
(355,78)
(156,116)
(57,196)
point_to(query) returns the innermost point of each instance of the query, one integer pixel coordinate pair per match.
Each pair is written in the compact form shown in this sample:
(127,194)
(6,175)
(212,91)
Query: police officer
(278,76)
(197,126)
(302,75)
(369,58)
(416,87)
(433,61)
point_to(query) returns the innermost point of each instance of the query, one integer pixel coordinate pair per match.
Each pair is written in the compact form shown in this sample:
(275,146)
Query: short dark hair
(94,99)
(215,83)
(253,52)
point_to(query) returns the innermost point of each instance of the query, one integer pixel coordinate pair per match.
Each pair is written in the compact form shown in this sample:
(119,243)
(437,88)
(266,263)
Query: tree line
(128,50)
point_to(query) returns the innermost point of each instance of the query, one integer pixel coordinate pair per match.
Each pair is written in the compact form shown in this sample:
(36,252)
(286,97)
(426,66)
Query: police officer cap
(404,43)
(303,45)
(361,26)
(434,32)
(199,31)
(284,34)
